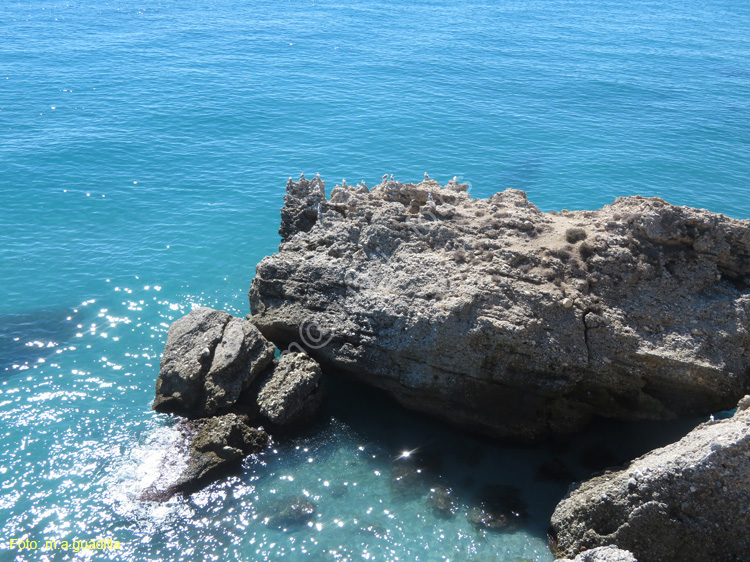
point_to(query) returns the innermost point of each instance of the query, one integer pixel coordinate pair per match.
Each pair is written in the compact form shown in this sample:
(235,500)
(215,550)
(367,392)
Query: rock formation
(686,502)
(210,358)
(603,554)
(206,449)
(214,363)
(291,394)
(510,321)
(218,444)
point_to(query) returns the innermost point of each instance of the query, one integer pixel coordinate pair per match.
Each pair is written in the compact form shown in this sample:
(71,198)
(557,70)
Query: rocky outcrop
(291,393)
(603,554)
(222,370)
(687,502)
(219,443)
(210,358)
(208,448)
(507,320)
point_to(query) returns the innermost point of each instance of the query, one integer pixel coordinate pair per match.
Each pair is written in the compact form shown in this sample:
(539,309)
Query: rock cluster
(686,502)
(507,320)
(222,371)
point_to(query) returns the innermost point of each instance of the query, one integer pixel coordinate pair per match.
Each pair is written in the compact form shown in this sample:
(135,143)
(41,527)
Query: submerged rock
(686,502)
(209,359)
(603,554)
(292,392)
(500,508)
(294,511)
(510,321)
(441,502)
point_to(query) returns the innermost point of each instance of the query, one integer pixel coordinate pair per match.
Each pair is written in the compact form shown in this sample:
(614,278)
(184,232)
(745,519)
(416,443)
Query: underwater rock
(412,473)
(686,502)
(500,508)
(441,503)
(339,491)
(292,392)
(209,359)
(603,554)
(506,320)
(294,511)
(407,480)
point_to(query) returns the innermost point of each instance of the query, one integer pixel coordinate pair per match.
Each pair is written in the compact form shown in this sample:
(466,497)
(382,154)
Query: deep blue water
(144,149)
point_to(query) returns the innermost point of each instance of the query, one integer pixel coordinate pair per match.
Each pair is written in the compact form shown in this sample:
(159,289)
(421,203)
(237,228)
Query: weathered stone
(206,449)
(292,393)
(506,320)
(301,203)
(209,359)
(219,443)
(686,502)
(603,554)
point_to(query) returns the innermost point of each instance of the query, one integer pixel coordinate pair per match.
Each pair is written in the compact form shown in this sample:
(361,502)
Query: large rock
(603,554)
(507,320)
(209,359)
(291,394)
(687,502)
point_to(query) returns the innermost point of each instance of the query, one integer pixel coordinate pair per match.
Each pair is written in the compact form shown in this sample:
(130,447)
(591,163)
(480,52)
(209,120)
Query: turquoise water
(144,148)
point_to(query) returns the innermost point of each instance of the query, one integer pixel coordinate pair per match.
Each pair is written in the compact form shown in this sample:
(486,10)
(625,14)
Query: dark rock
(292,393)
(480,311)
(209,359)
(441,502)
(686,502)
(294,511)
(500,508)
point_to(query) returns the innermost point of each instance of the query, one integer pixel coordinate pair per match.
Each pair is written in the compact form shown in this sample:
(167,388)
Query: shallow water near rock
(144,148)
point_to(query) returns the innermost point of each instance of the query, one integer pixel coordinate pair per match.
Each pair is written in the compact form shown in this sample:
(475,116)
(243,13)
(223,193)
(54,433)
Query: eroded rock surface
(686,502)
(207,448)
(291,394)
(603,554)
(507,320)
(209,359)
(219,443)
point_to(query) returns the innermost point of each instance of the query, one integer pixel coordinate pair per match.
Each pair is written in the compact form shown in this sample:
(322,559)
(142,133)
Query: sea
(144,150)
